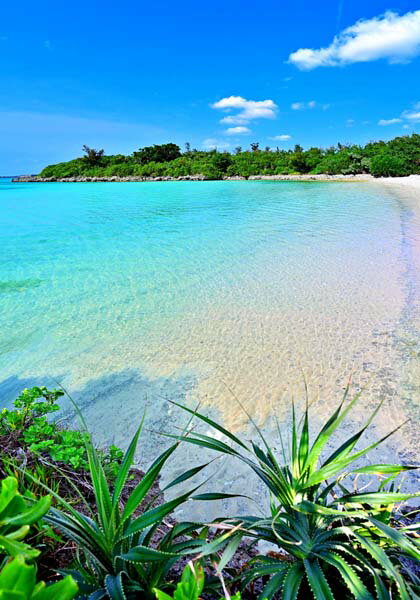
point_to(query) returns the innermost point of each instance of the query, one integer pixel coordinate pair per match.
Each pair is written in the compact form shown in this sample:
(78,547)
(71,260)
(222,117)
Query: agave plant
(125,548)
(329,541)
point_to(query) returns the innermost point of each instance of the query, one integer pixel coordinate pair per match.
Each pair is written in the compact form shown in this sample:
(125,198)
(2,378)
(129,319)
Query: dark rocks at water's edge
(324,177)
(114,178)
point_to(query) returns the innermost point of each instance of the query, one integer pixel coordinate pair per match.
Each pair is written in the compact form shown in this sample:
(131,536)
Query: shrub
(388,165)
(31,404)
(166,159)
(28,424)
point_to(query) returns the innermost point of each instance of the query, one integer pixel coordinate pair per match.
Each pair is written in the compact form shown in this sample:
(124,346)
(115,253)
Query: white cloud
(411,115)
(231,120)
(305,105)
(248,109)
(390,36)
(237,130)
(212,144)
(385,122)
(281,138)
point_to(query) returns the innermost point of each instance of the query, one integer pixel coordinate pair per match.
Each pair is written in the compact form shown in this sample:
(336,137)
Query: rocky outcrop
(35,179)
(321,177)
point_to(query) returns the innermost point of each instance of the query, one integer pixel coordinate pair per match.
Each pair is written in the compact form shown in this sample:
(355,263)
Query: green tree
(92,156)
(389,165)
(400,156)
(157,153)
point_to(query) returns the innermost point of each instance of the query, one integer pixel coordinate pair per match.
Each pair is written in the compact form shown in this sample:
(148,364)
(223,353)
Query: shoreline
(198,177)
(409,182)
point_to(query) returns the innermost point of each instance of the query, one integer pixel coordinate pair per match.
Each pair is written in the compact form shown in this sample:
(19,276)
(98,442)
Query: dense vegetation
(398,157)
(330,539)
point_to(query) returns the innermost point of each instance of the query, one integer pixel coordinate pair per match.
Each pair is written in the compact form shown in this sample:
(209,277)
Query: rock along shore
(323,177)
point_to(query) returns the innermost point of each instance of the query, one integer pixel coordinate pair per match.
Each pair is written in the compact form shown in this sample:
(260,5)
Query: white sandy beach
(412,181)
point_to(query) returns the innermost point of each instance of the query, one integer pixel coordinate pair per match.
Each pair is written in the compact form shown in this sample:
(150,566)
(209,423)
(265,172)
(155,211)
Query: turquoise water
(130,293)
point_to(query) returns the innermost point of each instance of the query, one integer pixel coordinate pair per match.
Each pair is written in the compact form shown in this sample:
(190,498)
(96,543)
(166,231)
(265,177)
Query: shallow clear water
(130,293)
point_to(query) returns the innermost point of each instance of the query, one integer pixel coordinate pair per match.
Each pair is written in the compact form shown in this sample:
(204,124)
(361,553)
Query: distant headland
(166,162)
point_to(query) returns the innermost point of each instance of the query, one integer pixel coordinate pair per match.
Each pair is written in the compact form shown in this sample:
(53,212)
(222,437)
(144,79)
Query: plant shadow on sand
(113,406)
(12,387)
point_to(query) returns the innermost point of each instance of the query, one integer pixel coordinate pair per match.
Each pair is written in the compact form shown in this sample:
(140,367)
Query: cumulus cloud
(385,122)
(303,105)
(390,36)
(281,138)
(240,130)
(247,109)
(212,144)
(232,120)
(411,115)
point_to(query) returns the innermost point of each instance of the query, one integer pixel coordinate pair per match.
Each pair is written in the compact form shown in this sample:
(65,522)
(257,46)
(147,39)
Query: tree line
(397,157)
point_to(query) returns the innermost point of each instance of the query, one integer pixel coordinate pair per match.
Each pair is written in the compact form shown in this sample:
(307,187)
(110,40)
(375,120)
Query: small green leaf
(376,498)
(384,469)
(145,554)
(66,589)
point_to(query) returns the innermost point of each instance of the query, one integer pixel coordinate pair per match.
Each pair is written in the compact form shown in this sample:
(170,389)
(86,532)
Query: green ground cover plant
(397,157)
(17,570)
(27,425)
(18,582)
(190,586)
(16,517)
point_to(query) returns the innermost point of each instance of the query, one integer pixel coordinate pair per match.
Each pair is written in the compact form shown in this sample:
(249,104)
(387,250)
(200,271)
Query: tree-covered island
(397,157)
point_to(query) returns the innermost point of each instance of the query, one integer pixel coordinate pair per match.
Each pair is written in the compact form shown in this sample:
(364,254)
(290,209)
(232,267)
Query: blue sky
(121,75)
